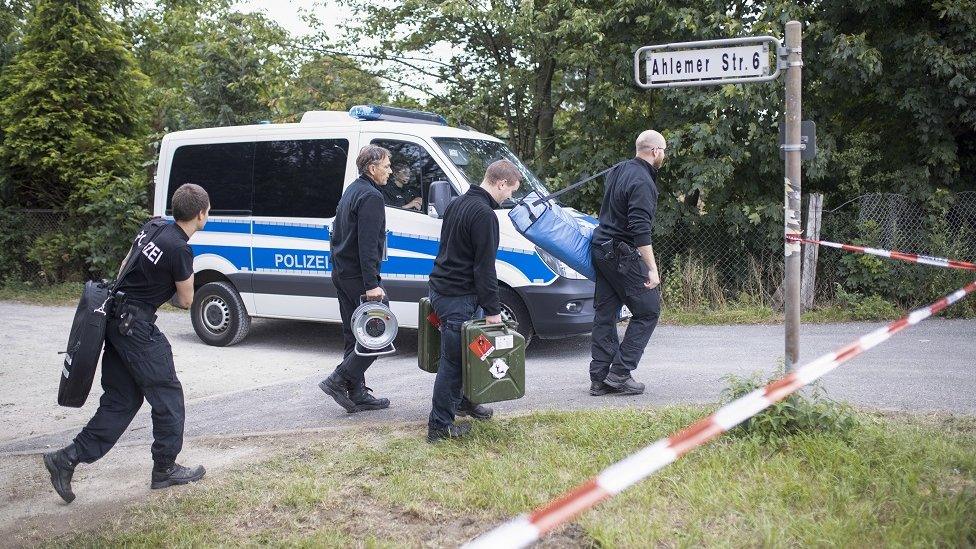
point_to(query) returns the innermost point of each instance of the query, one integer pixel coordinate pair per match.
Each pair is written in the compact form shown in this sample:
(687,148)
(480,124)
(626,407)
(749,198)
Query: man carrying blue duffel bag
(625,268)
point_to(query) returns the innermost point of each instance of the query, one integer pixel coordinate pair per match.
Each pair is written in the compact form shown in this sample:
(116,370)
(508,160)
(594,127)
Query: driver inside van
(398,192)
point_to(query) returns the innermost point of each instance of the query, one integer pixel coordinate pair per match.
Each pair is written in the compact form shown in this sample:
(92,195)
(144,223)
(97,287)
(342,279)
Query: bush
(690,284)
(111,211)
(859,307)
(13,245)
(796,414)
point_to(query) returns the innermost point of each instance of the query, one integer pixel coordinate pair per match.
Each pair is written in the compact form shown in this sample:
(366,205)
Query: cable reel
(375,327)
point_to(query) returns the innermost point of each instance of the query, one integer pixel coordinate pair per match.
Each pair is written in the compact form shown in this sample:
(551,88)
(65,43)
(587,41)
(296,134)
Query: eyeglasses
(663,149)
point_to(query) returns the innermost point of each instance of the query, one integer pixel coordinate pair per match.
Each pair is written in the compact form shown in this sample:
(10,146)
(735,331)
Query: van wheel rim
(507,314)
(215,315)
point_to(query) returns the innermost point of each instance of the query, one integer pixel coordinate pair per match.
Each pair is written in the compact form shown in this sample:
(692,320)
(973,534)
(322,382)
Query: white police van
(274,190)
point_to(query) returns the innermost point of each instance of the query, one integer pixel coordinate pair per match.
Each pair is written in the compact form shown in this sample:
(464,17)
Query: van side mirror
(439,196)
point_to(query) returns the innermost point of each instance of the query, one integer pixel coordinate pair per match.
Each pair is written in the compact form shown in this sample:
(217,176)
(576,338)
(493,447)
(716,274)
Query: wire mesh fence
(23,239)
(703,266)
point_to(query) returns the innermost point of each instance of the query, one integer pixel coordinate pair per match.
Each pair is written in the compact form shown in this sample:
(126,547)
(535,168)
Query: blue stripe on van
(530,264)
(213,226)
(414,244)
(239,256)
(316,260)
(407,266)
(291,259)
(320,232)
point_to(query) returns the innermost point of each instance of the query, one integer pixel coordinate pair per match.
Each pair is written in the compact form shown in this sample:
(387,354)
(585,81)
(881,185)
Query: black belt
(138,310)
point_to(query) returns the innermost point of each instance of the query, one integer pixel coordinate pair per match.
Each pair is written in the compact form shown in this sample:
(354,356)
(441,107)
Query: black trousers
(134,367)
(353,367)
(620,277)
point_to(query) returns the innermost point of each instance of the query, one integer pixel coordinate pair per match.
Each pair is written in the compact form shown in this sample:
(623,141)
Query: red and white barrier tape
(527,529)
(901,256)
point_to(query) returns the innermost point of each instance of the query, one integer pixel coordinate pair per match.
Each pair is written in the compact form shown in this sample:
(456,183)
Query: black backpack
(87,335)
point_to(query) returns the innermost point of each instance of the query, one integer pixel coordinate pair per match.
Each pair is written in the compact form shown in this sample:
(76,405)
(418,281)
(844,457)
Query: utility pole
(792,148)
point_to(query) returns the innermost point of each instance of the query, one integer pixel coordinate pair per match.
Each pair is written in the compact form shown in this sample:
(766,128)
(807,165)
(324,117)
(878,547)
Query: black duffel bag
(85,343)
(87,337)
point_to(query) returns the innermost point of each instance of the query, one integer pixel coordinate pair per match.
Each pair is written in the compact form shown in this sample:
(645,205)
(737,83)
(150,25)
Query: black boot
(457,430)
(361,397)
(625,384)
(476,411)
(599,388)
(337,387)
(174,474)
(61,465)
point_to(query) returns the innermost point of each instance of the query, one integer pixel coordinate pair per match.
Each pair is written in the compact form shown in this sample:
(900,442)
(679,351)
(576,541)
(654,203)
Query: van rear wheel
(218,314)
(514,310)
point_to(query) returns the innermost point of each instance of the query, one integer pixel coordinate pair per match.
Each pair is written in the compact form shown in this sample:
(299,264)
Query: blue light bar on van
(395,114)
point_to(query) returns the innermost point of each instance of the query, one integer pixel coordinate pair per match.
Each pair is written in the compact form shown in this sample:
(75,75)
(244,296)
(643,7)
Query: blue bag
(551,227)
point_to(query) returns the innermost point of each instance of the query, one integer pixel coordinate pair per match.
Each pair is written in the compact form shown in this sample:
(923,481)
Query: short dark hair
(503,169)
(368,155)
(188,201)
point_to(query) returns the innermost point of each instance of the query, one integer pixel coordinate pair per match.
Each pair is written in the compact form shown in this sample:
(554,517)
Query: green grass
(66,293)
(887,481)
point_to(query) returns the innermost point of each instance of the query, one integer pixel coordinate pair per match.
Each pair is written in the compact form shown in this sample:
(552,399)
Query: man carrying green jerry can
(463,286)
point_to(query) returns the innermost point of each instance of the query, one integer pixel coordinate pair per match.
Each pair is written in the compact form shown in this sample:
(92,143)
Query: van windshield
(473,156)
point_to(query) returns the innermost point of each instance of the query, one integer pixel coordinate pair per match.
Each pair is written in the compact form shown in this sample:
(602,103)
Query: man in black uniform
(358,243)
(626,271)
(399,193)
(463,286)
(138,362)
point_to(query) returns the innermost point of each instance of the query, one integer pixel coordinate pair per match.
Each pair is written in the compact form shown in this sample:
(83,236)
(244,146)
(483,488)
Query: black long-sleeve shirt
(629,204)
(359,233)
(465,262)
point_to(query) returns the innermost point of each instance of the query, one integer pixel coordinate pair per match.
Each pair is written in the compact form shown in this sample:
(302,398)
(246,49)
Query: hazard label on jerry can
(428,338)
(492,362)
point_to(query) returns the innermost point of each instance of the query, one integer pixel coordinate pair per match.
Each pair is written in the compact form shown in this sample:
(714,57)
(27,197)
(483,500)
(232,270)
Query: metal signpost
(740,61)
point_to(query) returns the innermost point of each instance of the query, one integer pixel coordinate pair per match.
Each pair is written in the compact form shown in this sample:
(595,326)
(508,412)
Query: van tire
(514,308)
(218,314)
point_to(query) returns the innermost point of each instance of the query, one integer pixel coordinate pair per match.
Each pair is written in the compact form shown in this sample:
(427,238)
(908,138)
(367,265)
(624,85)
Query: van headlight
(557,266)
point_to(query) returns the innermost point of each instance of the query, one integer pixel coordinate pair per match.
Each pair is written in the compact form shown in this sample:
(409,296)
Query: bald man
(626,271)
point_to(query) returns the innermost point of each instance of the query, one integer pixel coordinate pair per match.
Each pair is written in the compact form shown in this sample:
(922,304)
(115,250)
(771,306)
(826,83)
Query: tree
(73,109)
(329,82)
(71,128)
(210,65)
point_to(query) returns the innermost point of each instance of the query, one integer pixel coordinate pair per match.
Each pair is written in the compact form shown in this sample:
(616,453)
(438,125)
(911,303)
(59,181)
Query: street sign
(707,62)
(808,138)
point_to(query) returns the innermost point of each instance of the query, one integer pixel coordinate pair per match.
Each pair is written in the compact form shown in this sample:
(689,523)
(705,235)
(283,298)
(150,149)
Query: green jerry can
(428,337)
(492,363)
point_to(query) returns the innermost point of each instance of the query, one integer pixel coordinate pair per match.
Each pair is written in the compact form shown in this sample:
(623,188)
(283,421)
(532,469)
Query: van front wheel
(513,309)
(218,314)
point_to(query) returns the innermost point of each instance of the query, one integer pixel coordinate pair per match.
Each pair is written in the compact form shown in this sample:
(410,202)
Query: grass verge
(887,481)
(67,294)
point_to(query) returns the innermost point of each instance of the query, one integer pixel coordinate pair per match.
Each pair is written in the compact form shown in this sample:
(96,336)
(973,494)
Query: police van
(274,190)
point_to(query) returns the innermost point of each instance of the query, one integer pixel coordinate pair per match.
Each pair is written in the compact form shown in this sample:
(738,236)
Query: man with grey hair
(626,271)
(358,242)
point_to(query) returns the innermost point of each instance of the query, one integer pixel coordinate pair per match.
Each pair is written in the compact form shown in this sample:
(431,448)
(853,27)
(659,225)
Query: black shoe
(599,388)
(456,430)
(337,388)
(175,475)
(364,401)
(624,384)
(476,411)
(61,465)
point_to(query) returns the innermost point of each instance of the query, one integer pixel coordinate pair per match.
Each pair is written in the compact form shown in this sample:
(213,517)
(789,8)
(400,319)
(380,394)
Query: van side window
(301,178)
(222,169)
(413,171)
